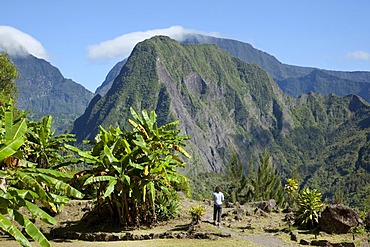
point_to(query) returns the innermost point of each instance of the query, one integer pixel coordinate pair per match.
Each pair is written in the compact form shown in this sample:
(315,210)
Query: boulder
(266,206)
(338,219)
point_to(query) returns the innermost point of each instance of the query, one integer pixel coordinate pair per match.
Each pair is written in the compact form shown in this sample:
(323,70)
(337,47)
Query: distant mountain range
(44,91)
(225,104)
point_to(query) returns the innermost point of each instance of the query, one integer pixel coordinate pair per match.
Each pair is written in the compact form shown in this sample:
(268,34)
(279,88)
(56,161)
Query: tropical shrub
(166,207)
(44,148)
(309,208)
(130,168)
(196,213)
(291,187)
(23,186)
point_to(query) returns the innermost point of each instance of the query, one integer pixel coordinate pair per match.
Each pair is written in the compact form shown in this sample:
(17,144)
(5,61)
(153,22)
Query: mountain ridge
(225,104)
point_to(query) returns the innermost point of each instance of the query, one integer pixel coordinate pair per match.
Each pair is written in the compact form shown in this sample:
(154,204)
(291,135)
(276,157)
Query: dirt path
(263,239)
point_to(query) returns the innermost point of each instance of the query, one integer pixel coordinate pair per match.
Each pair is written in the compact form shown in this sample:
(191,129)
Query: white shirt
(218,198)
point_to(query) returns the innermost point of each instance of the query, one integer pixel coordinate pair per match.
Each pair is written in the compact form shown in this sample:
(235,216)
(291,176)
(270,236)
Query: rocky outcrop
(338,219)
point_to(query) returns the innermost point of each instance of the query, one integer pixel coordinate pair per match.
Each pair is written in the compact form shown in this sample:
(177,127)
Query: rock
(260,212)
(248,211)
(229,204)
(267,206)
(338,219)
(304,242)
(320,243)
(344,244)
(289,218)
(294,235)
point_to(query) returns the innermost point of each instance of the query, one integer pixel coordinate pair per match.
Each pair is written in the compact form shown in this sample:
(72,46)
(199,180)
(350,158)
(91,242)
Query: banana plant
(128,168)
(43,147)
(22,184)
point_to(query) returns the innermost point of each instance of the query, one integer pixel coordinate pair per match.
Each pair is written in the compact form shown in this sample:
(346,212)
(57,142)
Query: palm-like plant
(42,146)
(128,168)
(22,184)
(309,207)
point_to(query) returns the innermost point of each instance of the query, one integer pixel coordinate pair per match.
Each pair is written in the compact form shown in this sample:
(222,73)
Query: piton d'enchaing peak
(224,104)
(44,91)
(293,80)
(218,99)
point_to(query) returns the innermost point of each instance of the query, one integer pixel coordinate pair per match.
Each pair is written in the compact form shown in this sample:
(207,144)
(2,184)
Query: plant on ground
(196,213)
(131,168)
(44,148)
(291,187)
(309,208)
(23,186)
(166,207)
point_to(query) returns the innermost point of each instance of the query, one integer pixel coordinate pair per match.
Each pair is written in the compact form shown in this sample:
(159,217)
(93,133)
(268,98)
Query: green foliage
(267,184)
(23,186)
(196,213)
(291,187)
(130,169)
(166,207)
(309,208)
(8,72)
(237,180)
(43,147)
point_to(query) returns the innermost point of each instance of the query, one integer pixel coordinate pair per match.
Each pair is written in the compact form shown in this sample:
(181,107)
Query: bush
(309,207)
(196,213)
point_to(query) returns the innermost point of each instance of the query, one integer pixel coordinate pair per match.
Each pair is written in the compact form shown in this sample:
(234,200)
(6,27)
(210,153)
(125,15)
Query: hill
(44,91)
(224,103)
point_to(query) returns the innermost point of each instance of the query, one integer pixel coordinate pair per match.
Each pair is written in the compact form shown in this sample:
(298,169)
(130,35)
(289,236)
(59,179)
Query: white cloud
(359,55)
(122,46)
(16,42)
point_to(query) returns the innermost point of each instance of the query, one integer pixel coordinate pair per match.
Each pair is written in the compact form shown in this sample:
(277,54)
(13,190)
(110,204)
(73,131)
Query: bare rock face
(338,219)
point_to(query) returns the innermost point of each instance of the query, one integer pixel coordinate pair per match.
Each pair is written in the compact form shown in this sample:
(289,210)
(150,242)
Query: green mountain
(44,91)
(293,80)
(224,103)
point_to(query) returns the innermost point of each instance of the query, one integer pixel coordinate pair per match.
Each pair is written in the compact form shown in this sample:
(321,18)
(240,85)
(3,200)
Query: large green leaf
(92,180)
(38,212)
(30,228)
(110,188)
(9,227)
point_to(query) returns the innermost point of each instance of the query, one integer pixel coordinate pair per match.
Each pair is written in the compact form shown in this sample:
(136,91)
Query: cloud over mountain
(359,55)
(122,46)
(16,42)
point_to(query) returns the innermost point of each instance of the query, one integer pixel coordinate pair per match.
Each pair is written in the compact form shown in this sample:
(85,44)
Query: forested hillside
(225,104)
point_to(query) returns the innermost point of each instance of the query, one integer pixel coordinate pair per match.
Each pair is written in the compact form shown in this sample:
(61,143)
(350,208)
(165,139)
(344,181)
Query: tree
(267,183)
(291,187)
(237,180)
(129,170)
(8,72)
(23,186)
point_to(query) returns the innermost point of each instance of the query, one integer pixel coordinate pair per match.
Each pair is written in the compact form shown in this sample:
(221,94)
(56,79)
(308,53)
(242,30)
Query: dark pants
(217,211)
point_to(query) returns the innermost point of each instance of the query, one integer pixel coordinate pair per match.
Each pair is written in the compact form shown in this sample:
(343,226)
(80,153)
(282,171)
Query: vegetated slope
(44,91)
(293,80)
(341,83)
(225,104)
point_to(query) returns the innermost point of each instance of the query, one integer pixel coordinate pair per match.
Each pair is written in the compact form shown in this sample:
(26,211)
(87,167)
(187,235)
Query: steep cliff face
(220,100)
(44,91)
(225,104)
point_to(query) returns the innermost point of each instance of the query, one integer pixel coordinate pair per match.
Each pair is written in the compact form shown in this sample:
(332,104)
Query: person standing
(218,198)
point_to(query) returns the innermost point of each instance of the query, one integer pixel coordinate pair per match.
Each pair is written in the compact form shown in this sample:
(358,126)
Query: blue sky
(85,39)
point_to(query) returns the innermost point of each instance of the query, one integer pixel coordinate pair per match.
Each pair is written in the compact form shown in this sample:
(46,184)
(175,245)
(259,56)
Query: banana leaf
(30,228)
(9,227)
